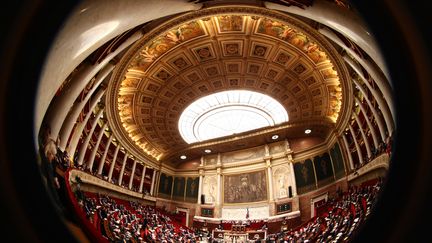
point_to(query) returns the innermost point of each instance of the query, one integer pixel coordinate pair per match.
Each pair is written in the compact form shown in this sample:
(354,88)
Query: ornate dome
(217,49)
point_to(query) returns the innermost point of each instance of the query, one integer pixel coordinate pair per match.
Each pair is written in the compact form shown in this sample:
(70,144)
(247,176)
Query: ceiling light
(307,131)
(274,137)
(183,157)
(207,151)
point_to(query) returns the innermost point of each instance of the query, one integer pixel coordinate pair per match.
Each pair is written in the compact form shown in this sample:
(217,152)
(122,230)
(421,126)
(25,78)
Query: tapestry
(246,187)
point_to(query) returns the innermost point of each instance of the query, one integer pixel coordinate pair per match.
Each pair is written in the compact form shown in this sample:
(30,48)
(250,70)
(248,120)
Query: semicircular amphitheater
(226,121)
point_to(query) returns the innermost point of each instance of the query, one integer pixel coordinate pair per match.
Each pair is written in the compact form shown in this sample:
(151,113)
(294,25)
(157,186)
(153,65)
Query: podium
(239,234)
(238,228)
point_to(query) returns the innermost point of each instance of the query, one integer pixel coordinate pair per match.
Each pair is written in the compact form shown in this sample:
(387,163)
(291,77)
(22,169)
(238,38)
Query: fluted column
(132,175)
(293,181)
(153,183)
(379,80)
(57,111)
(111,170)
(102,161)
(219,186)
(80,126)
(378,118)
(366,142)
(120,180)
(362,60)
(200,187)
(77,107)
(96,147)
(84,146)
(356,144)
(142,179)
(157,182)
(347,149)
(383,102)
(371,128)
(270,179)
(61,105)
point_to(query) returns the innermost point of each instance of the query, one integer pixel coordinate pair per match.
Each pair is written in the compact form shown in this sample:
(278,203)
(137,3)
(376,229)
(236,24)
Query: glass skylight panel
(228,112)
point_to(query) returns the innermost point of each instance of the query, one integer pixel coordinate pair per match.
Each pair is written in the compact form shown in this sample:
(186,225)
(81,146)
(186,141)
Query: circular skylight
(229,112)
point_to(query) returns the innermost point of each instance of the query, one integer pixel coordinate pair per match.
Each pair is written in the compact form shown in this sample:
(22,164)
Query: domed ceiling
(216,49)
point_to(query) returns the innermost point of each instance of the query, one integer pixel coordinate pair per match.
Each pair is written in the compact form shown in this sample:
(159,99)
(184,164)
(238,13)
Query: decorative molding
(274,218)
(93,180)
(382,161)
(165,71)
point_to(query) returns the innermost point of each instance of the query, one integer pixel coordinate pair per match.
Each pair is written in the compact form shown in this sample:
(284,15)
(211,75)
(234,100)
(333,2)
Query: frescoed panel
(179,188)
(242,155)
(210,160)
(192,189)
(160,45)
(323,169)
(292,36)
(337,160)
(230,23)
(246,187)
(305,176)
(278,147)
(165,185)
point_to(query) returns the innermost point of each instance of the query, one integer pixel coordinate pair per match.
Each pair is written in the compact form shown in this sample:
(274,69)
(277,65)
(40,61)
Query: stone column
(347,149)
(270,179)
(111,170)
(369,154)
(371,128)
(57,111)
(132,175)
(156,182)
(293,181)
(77,107)
(96,147)
(356,144)
(122,169)
(344,21)
(383,102)
(378,118)
(153,183)
(200,186)
(142,179)
(102,161)
(84,146)
(380,80)
(80,126)
(219,186)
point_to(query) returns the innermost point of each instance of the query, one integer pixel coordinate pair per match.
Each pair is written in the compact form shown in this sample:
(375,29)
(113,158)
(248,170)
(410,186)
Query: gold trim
(233,10)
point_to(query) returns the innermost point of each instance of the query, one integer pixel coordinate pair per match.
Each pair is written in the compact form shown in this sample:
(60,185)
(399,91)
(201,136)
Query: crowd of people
(128,221)
(346,213)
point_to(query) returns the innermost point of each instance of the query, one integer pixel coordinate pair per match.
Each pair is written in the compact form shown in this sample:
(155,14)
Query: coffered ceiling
(217,49)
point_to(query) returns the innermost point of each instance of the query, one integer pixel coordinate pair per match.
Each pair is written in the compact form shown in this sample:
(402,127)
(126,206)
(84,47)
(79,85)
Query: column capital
(268,163)
(219,171)
(266,150)
(289,156)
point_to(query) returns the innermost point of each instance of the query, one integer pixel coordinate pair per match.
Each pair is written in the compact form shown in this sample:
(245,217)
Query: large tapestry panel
(337,160)
(305,176)
(179,188)
(323,169)
(192,189)
(246,187)
(165,185)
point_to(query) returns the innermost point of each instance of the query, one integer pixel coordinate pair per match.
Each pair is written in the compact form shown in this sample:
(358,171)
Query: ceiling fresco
(218,49)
